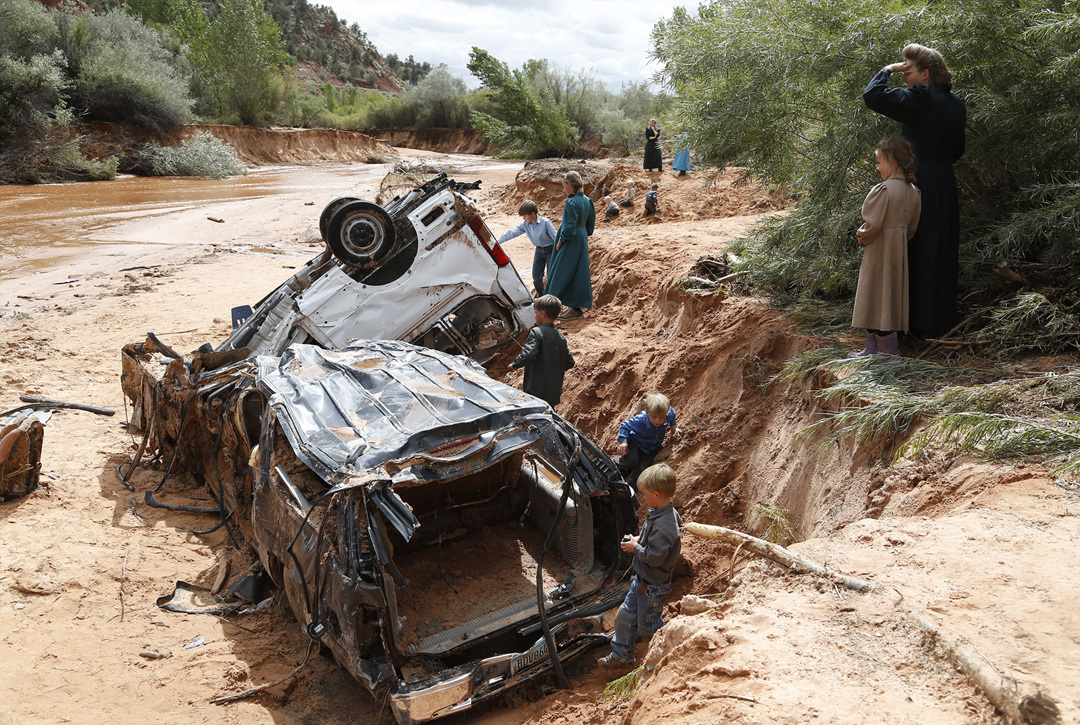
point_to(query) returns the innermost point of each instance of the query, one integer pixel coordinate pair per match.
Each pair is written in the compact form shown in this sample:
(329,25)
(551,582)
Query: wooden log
(773,552)
(1002,691)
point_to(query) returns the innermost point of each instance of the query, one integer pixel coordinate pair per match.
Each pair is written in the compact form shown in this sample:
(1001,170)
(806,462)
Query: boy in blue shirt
(542,234)
(642,436)
(656,550)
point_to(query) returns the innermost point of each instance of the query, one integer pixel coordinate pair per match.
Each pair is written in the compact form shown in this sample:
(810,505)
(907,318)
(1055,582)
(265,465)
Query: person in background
(612,209)
(934,118)
(546,356)
(569,277)
(652,200)
(656,550)
(653,160)
(628,200)
(542,234)
(890,218)
(681,163)
(641,436)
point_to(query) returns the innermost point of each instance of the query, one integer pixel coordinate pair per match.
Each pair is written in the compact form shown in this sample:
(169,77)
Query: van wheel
(328,211)
(361,234)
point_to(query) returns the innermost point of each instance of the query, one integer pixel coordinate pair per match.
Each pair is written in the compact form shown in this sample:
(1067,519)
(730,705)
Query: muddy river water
(43,224)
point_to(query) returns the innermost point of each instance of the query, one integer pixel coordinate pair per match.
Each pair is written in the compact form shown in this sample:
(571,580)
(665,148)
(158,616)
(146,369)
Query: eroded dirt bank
(982,548)
(254,146)
(443,140)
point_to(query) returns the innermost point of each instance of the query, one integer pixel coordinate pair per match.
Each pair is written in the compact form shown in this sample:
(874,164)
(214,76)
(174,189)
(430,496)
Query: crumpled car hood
(348,412)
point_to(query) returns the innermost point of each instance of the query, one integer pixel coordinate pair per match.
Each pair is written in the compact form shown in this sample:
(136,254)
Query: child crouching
(656,550)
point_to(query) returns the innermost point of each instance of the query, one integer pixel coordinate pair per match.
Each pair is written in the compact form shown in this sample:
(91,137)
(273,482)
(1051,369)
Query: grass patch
(778,529)
(985,411)
(624,687)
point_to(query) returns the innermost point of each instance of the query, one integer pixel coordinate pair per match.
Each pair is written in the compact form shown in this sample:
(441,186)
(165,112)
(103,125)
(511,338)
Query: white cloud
(610,37)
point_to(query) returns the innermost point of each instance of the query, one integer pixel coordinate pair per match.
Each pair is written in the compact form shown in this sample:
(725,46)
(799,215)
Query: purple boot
(888,344)
(871,346)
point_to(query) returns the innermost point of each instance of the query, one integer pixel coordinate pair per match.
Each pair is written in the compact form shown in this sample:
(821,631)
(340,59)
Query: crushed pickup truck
(425,269)
(440,532)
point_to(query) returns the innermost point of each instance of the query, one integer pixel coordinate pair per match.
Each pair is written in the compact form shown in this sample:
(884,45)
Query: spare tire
(361,234)
(328,211)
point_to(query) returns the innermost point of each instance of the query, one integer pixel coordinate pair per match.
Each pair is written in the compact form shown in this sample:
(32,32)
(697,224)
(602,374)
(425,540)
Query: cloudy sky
(612,38)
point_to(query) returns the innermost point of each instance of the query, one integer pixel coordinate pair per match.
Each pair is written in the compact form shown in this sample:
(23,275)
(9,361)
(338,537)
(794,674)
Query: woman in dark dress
(568,276)
(652,147)
(934,118)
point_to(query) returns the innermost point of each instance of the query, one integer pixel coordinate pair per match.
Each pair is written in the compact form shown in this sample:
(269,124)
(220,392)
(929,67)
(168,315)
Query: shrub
(202,155)
(125,71)
(528,121)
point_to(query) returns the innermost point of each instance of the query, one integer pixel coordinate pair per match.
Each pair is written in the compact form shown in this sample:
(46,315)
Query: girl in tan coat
(890,217)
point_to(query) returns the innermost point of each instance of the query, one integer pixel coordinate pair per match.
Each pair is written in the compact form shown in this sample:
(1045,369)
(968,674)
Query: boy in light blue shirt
(542,234)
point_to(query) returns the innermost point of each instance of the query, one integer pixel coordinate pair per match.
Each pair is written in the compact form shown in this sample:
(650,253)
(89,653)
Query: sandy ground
(985,550)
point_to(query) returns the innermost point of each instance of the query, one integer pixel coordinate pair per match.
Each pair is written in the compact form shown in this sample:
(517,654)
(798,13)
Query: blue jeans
(638,612)
(541,262)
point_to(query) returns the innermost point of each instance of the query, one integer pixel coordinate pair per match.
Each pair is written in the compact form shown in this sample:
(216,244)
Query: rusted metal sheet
(21,436)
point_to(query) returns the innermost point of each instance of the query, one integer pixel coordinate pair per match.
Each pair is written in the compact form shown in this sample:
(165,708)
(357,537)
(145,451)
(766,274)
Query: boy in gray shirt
(656,550)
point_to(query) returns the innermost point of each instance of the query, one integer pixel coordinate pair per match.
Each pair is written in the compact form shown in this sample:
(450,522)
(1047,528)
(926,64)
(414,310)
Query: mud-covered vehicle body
(422,270)
(414,510)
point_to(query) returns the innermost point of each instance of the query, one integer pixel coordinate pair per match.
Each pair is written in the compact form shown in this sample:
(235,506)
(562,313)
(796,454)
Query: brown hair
(899,149)
(658,478)
(574,179)
(527,207)
(550,305)
(929,59)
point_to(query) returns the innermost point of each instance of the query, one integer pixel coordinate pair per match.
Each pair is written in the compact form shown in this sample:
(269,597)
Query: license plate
(536,653)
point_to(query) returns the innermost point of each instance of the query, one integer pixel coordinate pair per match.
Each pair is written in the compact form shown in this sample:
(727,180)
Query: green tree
(776,87)
(245,54)
(439,100)
(530,122)
(580,93)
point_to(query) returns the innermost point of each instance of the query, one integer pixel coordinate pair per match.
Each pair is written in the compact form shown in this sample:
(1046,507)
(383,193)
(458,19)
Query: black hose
(568,483)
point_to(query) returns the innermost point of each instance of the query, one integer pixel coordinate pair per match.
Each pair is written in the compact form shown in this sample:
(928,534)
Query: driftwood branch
(1002,691)
(774,552)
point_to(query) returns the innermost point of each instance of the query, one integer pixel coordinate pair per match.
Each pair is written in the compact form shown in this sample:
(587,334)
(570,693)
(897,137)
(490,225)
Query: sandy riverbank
(983,548)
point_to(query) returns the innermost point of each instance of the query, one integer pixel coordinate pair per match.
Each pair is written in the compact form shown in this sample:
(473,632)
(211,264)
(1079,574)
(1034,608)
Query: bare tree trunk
(774,552)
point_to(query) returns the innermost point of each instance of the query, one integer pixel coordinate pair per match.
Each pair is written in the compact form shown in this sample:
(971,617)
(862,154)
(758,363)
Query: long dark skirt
(934,251)
(653,160)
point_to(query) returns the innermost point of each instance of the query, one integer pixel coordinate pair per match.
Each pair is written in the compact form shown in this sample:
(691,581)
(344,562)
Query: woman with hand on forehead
(933,119)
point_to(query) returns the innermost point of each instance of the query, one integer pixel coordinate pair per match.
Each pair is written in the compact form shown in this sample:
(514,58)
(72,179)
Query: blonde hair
(899,149)
(574,179)
(929,59)
(658,478)
(657,404)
